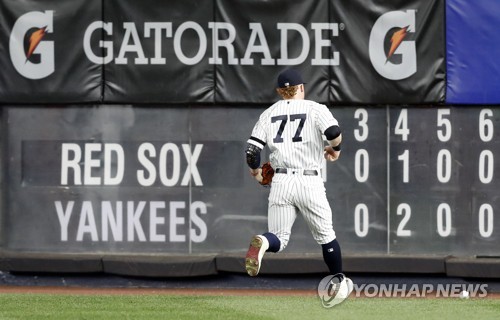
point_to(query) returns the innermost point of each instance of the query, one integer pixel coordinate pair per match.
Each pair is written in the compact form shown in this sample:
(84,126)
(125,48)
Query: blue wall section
(473,51)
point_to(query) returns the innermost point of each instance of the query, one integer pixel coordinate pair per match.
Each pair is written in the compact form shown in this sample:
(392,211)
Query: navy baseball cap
(288,78)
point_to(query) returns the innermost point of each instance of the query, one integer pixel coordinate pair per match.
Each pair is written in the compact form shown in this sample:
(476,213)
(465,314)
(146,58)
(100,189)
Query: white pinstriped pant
(292,193)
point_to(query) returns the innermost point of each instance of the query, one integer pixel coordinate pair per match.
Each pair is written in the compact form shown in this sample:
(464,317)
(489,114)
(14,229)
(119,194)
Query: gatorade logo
(31,54)
(391,53)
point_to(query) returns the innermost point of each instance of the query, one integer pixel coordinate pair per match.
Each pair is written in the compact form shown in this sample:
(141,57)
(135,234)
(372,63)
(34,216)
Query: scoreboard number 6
(486,128)
(486,171)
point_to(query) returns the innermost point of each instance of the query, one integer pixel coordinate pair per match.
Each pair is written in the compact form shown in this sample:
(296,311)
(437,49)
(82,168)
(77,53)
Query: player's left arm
(334,137)
(329,127)
(255,144)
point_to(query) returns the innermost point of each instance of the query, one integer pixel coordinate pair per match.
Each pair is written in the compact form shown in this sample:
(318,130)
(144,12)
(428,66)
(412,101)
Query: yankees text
(141,221)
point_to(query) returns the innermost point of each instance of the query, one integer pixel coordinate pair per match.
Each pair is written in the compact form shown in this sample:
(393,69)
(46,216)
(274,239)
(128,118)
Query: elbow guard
(332,132)
(253,156)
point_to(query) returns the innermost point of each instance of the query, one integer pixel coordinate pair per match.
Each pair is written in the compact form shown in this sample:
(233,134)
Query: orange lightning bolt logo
(35,39)
(396,39)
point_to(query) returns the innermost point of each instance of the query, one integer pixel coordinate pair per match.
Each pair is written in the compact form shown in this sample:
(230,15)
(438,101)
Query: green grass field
(55,306)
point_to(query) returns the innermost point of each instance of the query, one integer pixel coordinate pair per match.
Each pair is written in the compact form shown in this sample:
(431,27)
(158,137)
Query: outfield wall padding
(396,263)
(176,266)
(313,263)
(160,265)
(473,267)
(50,262)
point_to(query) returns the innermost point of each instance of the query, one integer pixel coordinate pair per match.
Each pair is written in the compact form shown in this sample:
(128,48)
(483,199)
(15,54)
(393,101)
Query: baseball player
(293,129)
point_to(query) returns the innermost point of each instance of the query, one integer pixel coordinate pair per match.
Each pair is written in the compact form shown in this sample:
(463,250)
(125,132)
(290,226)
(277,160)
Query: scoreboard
(410,180)
(417,180)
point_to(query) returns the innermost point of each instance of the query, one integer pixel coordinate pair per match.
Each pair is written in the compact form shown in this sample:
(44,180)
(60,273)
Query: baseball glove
(267,174)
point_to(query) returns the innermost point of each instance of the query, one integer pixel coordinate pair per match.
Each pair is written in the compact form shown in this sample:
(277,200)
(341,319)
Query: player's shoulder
(275,107)
(315,104)
(268,111)
(317,107)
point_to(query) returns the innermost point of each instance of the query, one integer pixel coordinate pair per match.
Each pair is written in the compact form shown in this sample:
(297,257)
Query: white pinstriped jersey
(293,130)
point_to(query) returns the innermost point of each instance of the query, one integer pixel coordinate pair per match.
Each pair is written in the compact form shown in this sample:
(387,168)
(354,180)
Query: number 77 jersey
(293,131)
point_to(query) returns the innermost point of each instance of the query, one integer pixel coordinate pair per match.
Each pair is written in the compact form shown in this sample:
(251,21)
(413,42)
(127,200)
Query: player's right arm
(253,160)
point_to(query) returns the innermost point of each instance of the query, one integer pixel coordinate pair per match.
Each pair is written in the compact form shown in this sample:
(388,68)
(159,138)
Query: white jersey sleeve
(259,134)
(324,118)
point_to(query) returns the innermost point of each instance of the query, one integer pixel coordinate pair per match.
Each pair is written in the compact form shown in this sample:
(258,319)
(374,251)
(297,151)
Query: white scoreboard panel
(418,180)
